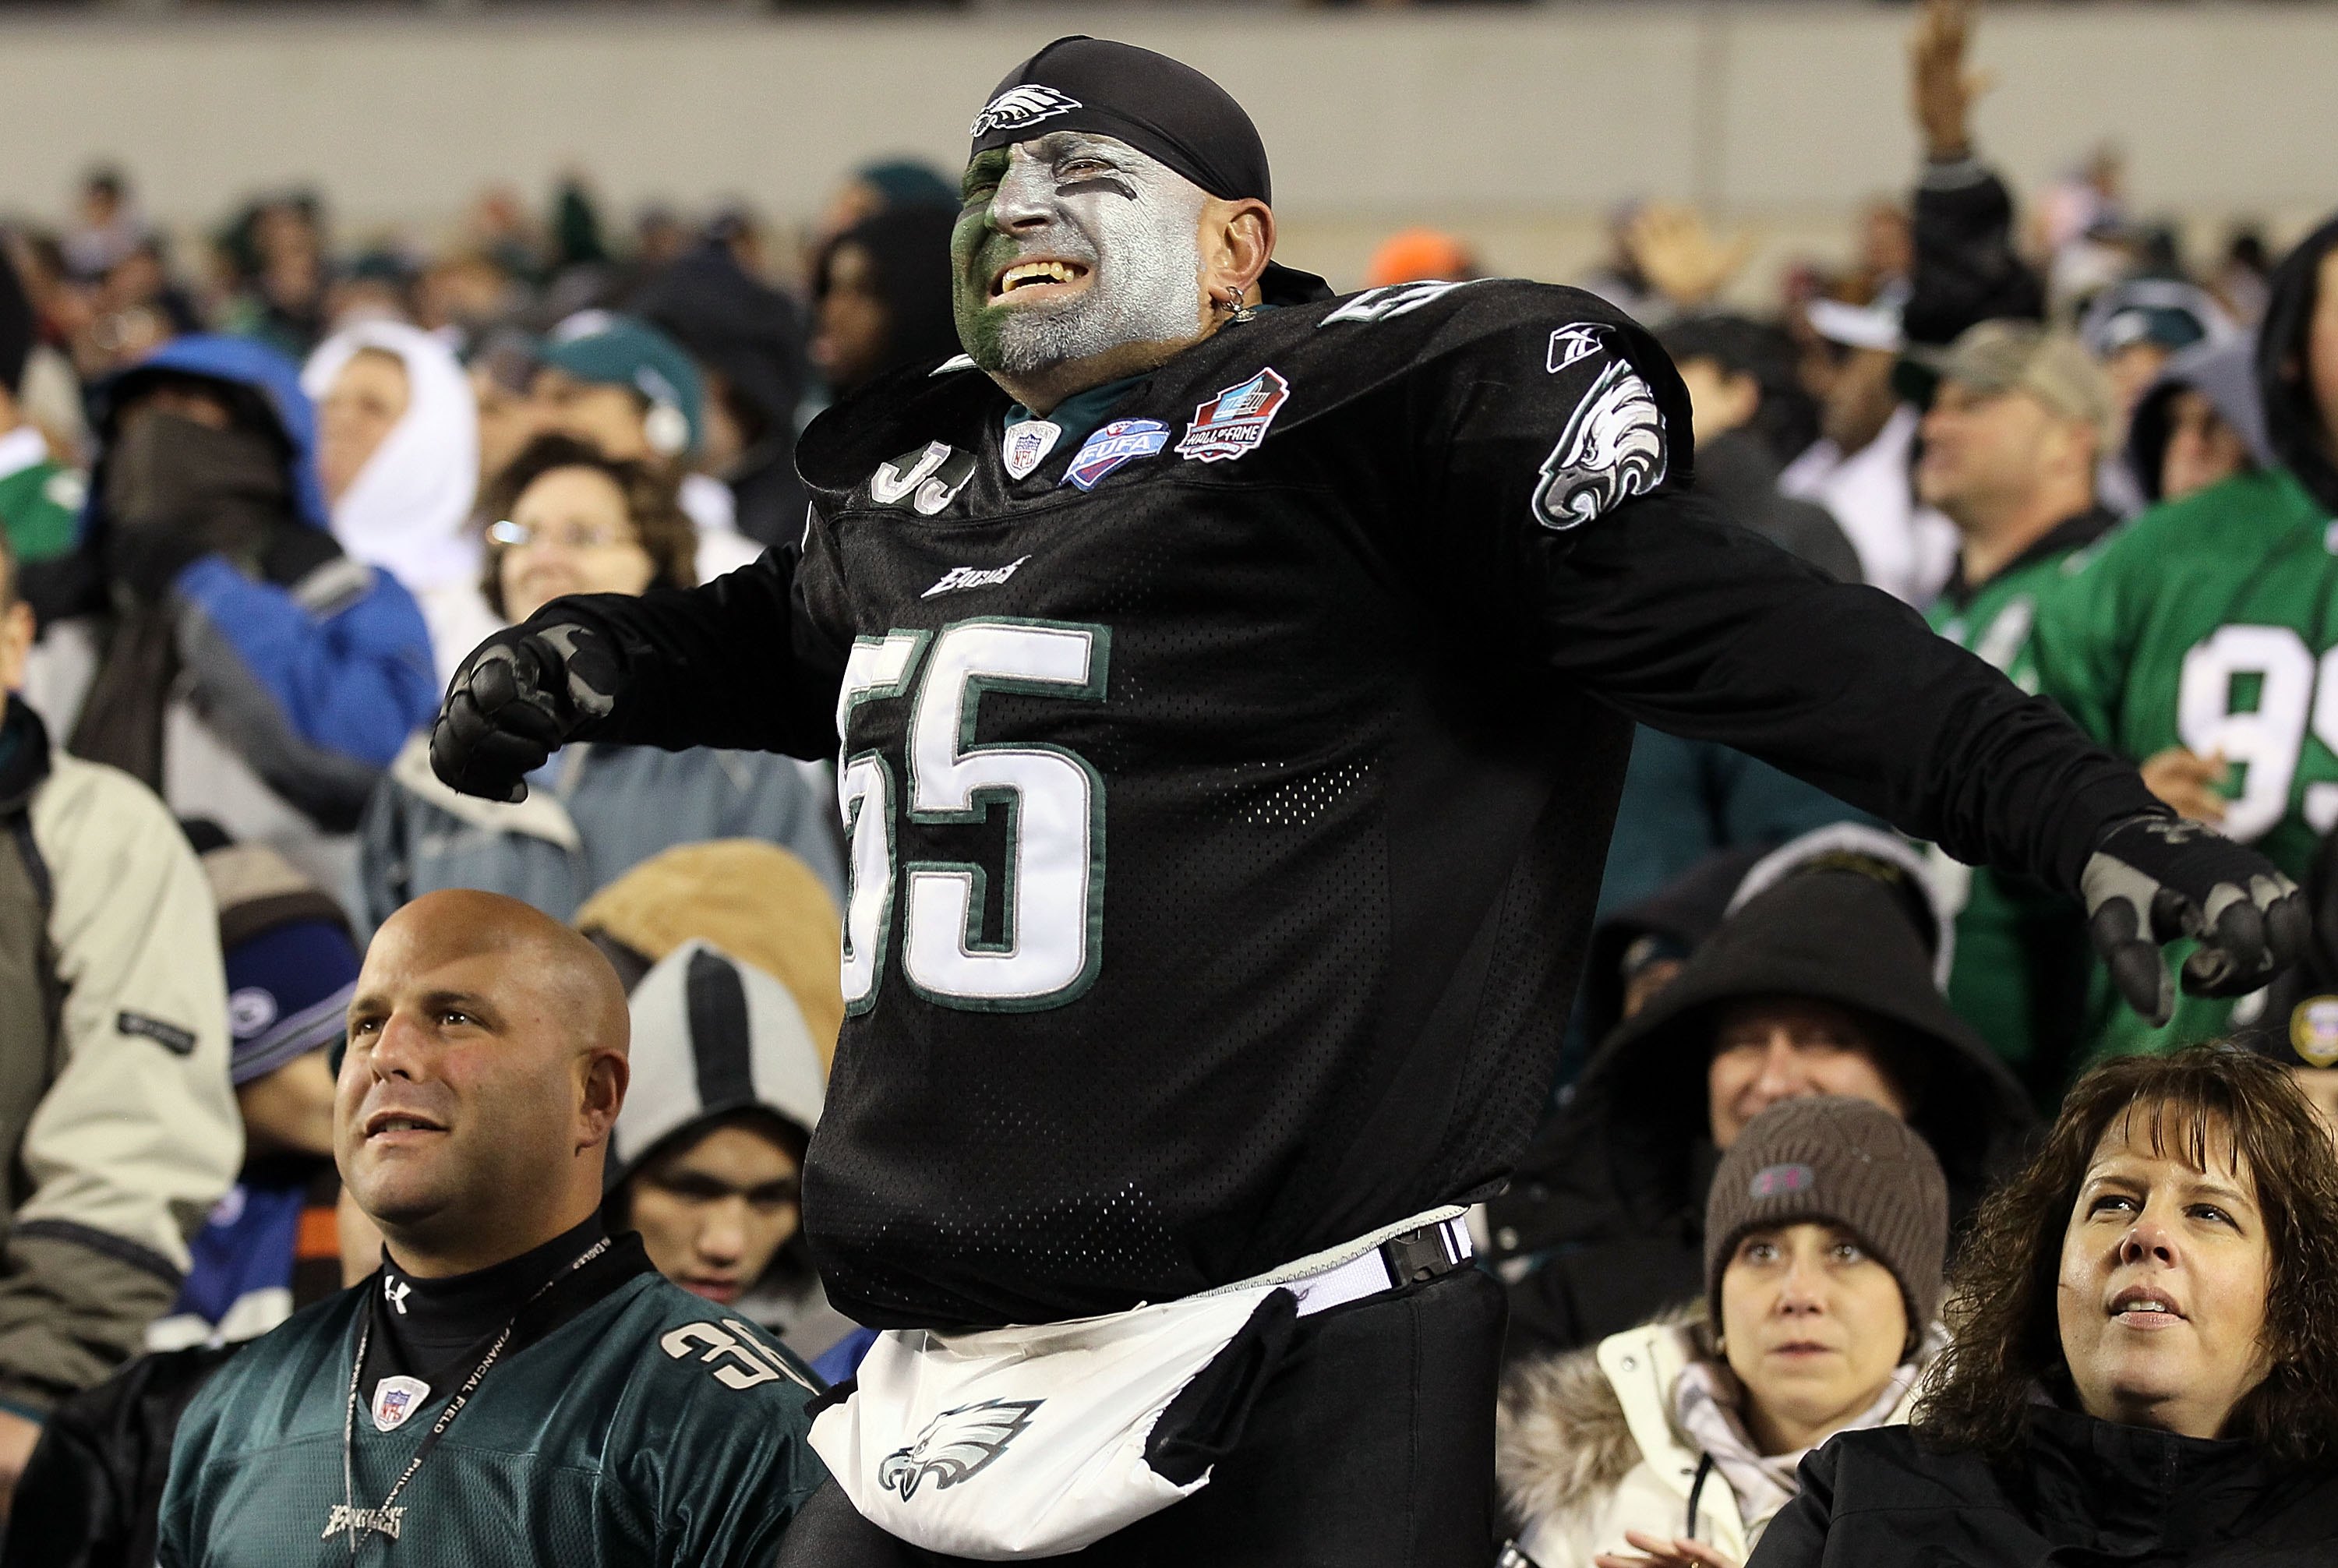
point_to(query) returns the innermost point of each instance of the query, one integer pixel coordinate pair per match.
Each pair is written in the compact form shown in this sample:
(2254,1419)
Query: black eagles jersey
(1227,786)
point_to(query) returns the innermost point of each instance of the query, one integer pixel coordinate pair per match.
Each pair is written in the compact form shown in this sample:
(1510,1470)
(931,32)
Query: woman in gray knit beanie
(1673,1446)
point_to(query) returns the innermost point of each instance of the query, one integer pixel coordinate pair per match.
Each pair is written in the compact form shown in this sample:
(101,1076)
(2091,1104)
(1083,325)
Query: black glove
(2152,879)
(521,694)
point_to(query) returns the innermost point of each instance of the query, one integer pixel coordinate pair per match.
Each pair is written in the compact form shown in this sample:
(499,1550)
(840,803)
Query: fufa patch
(1026,446)
(1020,106)
(395,1398)
(1121,441)
(2314,1031)
(1234,421)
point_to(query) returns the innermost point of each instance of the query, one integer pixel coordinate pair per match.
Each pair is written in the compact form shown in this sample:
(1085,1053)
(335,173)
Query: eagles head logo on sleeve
(956,1445)
(1613,448)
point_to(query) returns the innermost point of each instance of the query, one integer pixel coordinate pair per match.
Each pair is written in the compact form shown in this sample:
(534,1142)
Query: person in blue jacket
(207,635)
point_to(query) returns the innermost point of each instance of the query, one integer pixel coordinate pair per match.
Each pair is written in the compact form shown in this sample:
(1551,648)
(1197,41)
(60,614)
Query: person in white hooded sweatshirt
(1674,1445)
(399,451)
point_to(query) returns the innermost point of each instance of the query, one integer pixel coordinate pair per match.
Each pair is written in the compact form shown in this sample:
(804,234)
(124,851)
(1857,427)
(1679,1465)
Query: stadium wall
(1518,125)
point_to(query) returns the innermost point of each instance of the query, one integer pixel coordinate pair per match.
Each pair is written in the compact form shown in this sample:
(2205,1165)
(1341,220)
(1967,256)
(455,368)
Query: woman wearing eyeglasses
(567,520)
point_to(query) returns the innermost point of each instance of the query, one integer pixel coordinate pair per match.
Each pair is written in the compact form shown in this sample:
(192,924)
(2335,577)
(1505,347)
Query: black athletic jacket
(2080,1492)
(1228,794)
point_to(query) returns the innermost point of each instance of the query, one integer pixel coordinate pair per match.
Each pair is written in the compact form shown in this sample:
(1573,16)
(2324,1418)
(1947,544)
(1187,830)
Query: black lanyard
(385,1519)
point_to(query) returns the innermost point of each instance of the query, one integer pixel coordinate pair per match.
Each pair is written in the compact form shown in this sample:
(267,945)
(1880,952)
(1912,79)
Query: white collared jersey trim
(951,366)
(1392,300)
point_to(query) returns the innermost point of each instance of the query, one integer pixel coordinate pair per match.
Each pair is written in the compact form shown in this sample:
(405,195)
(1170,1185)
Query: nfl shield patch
(1121,441)
(1025,446)
(395,1398)
(1235,420)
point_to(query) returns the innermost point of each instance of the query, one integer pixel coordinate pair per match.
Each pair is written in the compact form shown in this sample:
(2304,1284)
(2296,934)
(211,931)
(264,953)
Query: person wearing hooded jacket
(748,340)
(2198,640)
(1825,1236)
(2200,422)
(117,1122)
(882,293)
(1825,978)
(398,456)
(215,642)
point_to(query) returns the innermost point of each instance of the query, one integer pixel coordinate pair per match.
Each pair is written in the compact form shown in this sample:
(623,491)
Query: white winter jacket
(1588,1449)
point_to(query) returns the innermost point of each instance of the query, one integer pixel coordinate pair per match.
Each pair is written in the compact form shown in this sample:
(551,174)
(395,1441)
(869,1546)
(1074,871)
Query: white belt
(1435,1241)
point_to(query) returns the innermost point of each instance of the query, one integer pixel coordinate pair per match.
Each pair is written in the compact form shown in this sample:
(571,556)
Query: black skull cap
(1161,107)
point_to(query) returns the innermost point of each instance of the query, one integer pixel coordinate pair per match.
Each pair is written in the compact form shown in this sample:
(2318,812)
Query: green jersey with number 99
(2020,975)
(2212,623)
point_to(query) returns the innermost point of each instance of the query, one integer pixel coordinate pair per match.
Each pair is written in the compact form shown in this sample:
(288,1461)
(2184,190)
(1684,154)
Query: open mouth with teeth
(2139,1307)
(1045,279)
(391,1124)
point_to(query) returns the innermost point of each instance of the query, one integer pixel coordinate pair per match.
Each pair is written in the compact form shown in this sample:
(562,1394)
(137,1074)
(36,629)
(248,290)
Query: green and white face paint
(1070,245)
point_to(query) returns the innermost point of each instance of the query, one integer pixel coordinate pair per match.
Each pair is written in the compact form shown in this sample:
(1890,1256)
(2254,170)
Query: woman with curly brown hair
(2145,1368)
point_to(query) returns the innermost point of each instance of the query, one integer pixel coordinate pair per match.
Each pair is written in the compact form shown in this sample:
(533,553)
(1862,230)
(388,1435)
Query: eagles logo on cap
(2314,1031)
(1020,106)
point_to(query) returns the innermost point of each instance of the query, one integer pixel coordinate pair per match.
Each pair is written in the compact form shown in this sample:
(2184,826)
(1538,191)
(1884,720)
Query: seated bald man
(514,1385)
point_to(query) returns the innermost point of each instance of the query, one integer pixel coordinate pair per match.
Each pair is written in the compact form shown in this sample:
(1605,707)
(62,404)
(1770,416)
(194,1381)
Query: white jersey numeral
(1046,947)
(878,667)
(2253,693)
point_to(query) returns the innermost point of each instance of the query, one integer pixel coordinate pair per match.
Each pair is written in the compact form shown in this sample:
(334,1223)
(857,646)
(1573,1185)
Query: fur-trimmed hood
(1563,1441)
(1588,1445)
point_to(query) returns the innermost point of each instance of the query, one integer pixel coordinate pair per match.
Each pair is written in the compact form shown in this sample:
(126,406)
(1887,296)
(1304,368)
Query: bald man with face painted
(514,1383)
(1233,688)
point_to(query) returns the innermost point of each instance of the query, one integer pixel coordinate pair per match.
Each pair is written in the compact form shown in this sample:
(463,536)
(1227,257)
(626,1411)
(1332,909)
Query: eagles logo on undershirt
(1613,448)
(956,1445)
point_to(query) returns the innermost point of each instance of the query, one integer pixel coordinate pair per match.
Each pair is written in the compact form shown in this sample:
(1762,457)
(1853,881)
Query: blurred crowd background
(311,376)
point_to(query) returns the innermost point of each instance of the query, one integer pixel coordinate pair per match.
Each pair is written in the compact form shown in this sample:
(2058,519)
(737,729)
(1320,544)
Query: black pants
(1372,1446)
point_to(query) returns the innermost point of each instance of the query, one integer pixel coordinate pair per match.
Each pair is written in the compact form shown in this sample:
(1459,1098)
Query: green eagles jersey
(2020,975)
(2211,624)
(40,508)
(648,1429)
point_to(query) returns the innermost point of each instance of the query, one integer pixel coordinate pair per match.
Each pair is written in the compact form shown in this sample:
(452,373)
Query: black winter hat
(1841,935)
(748,332)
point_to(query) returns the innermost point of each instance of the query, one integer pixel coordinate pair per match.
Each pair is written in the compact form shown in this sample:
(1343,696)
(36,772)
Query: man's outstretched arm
(736,662)
(1695,626)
